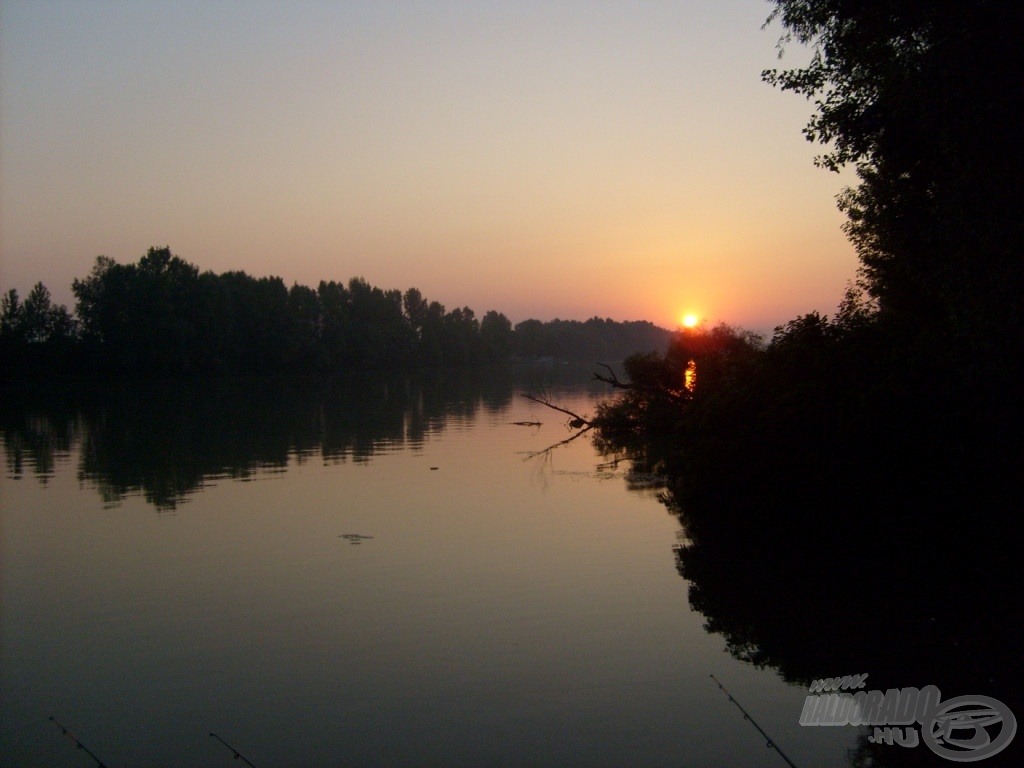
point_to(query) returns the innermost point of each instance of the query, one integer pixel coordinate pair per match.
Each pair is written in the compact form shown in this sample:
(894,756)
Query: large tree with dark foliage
(923,99)
(814,471)
(922,381)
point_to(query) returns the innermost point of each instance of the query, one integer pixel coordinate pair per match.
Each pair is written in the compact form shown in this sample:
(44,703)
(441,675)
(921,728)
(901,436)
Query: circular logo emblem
(969,728)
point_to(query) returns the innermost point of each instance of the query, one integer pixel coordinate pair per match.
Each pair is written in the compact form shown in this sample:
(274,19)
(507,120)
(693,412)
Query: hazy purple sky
(545,159)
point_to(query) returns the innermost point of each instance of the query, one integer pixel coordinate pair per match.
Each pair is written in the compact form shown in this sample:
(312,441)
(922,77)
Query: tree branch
(577,420)
(559,444)
(614,380)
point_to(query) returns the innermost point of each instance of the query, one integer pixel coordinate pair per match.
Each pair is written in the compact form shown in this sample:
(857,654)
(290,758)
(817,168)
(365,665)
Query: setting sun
(690,321)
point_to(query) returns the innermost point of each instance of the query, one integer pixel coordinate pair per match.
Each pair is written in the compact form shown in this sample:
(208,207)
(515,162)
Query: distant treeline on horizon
(162,317)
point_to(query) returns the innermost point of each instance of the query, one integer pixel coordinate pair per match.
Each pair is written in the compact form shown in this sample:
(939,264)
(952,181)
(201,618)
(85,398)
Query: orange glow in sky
(541,159)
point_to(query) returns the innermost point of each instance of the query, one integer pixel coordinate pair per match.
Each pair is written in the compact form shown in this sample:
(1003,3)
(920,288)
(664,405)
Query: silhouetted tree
(12,315)
(460,339)
(38,339)
(334,323)
(304,349)
(380,336)
(496,335)
(922,99)
(529,338)
(415,308)
(432,334)
(37,319)
(142,317)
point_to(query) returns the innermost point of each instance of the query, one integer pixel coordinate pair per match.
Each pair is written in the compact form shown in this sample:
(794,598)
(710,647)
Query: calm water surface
(368,573)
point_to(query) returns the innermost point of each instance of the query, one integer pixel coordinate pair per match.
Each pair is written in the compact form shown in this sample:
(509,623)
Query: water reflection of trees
(165,440)
(925,597)
(40,442)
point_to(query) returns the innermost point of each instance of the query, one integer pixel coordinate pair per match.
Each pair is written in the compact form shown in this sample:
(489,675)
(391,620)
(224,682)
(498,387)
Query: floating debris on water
(354,538)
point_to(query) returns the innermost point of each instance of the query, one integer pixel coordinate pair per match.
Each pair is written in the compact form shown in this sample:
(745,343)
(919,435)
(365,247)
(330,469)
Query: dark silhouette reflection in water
(917,585)
(498,611)
(918,593)
(165,440)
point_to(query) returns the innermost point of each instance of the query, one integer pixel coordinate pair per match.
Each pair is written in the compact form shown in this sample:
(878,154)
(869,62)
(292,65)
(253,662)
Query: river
(370,572)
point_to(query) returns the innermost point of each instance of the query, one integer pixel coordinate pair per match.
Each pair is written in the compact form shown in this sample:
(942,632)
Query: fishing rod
(238,755)
(65,732)
(746,716)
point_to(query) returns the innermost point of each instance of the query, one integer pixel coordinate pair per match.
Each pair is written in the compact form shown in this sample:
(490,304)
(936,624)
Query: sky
(543,159)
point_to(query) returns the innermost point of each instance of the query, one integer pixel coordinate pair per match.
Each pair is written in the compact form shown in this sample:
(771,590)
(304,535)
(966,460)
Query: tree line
(162,317)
